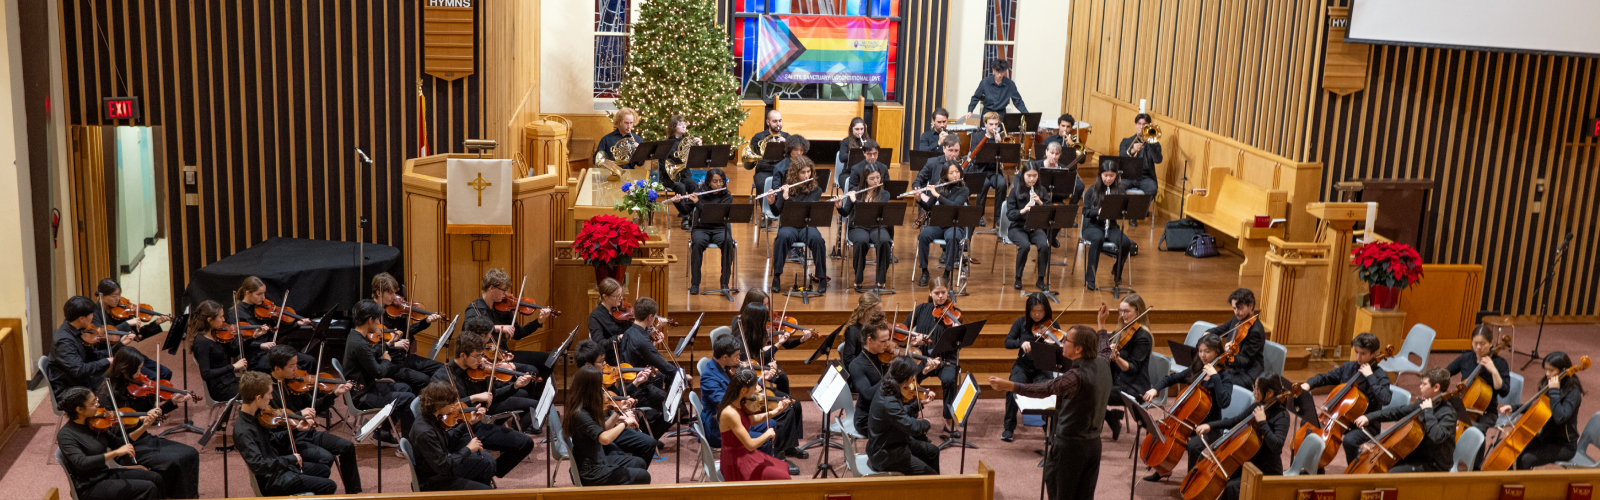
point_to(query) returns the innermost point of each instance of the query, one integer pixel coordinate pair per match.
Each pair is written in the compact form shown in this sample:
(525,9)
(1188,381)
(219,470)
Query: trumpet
(927,188)
(1150,135)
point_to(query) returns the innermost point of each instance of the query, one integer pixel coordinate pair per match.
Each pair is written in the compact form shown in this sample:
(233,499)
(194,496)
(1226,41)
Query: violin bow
(287,425)
(238,336)
(316,377)
(105,323)
(411,346)
(277,325)
(116,414)
(516,306)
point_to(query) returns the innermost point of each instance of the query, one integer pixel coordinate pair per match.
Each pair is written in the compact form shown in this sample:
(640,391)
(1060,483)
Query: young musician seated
(314,446)
(1025,336)
(857,138)
(1371,380)
(869,309)
(1097,230)
(418,369)
(798,190)
(994,178)
(868,233)
(742,407)
(1073,466)
(725,352)
(638,345)
(1208,349)
(101,464)
(771,135)
(512,446)
(624,120)
(178,464)
(897,439)
(74,362)
(1057,157)
(762,350)
(448,458)
(869,163)
(1558,439)
(648,397)
(705,234)
(495,289)
(110,294)
(219,360)
(1066,136)
(930,332)
(278,469)
(931,171)
(1438,446)
(1491,369)
(252,292)
(678,142)
(604,327)
(797,146)
(1028,195)
(929,141)
(954,194)
(1271,422)
(366,363)
(1149,152)
(1128,354)
(591,428)
(866,370)
(1250,361)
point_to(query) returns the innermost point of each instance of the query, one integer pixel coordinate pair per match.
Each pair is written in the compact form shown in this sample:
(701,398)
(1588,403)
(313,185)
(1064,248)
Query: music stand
(801,215)
(1047,357)
(775,154)
(647,151)
(1123,207)
(444,339)
(1051,219)
(953,340)
(888,215)
(1021,123)
(1061,182)
(999,153)
(823,151)
(919,158)
(709,156)
(1145,425)
(1129,168)
(856,156)
(726,213)
(896,188)
(965,218)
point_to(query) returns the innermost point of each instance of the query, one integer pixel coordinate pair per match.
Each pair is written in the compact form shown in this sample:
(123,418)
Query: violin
(1339,414)
(124,311)
(302,382)
(227,333)
(1530,420)
(525,306)
(457,413)
(1188,412)
(902,333)
(626,371)
(1392,445)
(503,371)
(1236,446)
(102,418)
(143,387)
(1049,333)
(404,308)
(1479,395)
(266,311)
(623,312)
(948,313)
(888,356)
(273,418)
(94,335)
(380,335)
(784,325)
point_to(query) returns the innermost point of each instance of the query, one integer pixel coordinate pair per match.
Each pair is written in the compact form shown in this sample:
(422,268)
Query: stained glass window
(999,34)
(612,20)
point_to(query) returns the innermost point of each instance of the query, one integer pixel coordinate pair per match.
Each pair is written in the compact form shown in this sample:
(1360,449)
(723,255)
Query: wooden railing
(1462,486)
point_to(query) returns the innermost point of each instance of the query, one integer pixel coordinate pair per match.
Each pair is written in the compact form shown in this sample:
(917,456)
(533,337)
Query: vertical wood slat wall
(268,99)
(925,34)
(1485,126)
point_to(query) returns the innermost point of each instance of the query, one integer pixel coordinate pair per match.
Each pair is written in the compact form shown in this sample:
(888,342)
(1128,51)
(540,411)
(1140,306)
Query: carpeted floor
(25,473)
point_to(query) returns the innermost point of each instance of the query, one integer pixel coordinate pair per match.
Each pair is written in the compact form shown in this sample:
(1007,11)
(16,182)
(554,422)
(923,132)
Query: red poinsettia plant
(1394,265)
(608,240)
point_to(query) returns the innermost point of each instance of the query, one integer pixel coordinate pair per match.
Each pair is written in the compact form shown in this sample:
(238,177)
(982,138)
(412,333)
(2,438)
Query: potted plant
(607,242)
(639,200)
(1387,268)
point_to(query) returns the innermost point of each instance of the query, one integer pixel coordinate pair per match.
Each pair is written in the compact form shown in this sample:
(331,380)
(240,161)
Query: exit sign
(1591,127)
(120,108)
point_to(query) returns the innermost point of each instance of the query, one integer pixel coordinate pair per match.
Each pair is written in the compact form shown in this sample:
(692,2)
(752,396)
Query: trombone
(1150,135)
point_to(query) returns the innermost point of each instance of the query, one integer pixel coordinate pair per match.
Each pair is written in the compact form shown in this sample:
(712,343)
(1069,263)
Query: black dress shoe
(694,290)
(1055,243)
(1018,284)
(686,226)
(776,287)
(1089,285)
(1006,436)
(798,453)
(794,470)
(1154,477)
(923,281)
(1043,285)
(821,287)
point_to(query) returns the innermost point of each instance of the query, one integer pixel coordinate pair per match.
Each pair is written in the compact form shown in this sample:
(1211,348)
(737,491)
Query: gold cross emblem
(479,184)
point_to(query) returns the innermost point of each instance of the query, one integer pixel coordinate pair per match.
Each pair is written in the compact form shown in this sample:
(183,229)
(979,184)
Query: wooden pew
(1537,484)
(1230,206)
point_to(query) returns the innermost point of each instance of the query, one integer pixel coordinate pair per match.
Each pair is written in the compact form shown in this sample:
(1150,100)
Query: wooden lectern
(1310,292)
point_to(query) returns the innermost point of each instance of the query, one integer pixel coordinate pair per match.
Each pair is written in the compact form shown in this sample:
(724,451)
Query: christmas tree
(679,64)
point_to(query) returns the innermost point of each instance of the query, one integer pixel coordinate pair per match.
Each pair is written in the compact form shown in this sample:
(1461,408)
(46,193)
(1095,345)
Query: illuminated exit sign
(120,108)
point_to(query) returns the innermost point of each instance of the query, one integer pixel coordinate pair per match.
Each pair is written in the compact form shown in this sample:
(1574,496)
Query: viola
(902,333)
(948,313)
(267,311)
(403,308)
(124,311)
(1127,334)
(1398,441)
(503,371)
(457,413)
(273,418)
(94,335)
(1338,415)
(524,306)
(302,382)
(103,419)
(227,333)
(1479,396)
(626,371)
(1530,420)
(1188,412)
(1239,444)
(143,387)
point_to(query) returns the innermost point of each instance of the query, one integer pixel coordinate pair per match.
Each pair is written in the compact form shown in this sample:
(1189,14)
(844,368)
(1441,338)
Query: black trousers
(788,236)
(1024,238)
(994,180)
(1096,236)
(635,442)
(1022,375)
(698,240)
(1195,447)
(417,363)
(879,237)
(949,374)
(953,237)
(512,445)
(178,464)
(1544,452)
(921,458)
(1354,438)
(312,478)
(520,401)
(473,472)
(323,448)
(1072,469)
(382,393)
(1148,185)
(627,469)
(124,484)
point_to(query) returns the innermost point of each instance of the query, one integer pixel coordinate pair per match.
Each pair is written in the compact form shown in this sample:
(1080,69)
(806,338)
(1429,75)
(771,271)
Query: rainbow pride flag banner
(841,50)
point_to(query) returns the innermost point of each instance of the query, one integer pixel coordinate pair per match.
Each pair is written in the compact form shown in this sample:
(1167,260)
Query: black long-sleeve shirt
(637,350)
(101,317)
(1022,331)
(1273,433)
(1019,198)
(245,313)
(362,362)
(865,373)
(1092,196)
(851,346)
(755,146)
(466,387)
(261,456)
(1375,386)
(1468,361)
(717,198)
(83,451)
(848,208)
(794,195)
(994,97)
(973,143)
(952,195)
(1249,363)
(603,329)
(1150,153)
(858,173)
(928,141)
(891,429)
(933,171)
(611,139)
(1562,428)
(479,307)
(1438,445)
(1221,391)
(216,364)
(73,364)
(1135,380)
(435,461)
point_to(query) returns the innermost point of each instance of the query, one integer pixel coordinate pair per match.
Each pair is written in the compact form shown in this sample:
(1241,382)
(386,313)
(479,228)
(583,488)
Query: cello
(1345,404)
(1188,412)
(1531,418)
(1236,446)
(1479,395)
(1398,441)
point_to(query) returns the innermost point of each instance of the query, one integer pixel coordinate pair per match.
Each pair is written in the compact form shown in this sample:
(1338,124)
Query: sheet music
(545,398)
(674,395)
(828,389)
(966,399)
(1025,403)
(376,421)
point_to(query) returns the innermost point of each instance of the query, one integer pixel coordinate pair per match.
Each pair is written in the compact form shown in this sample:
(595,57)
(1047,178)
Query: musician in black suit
(705,234)
(771,134)
(1097,230)
(1028,195)
(1149,152)
(954,194)
(864,233)
(101,463)
(74,363)
(897,438)
(278,469)
(869,162)
(929,141)
(950,145)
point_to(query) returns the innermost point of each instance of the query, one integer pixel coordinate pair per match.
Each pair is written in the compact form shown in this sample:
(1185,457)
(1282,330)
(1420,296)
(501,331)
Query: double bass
(1479,396)
(1399,440)
(1531,418)
(1188,412)
(1236,446)
(1345,404)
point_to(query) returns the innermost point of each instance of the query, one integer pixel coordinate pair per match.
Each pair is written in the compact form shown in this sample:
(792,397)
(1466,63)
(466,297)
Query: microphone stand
(1544,303)
(361,228)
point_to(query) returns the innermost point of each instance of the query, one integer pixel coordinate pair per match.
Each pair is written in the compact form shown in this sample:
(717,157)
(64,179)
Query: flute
(847,195)
(783,187)
(923,189)
(702,193)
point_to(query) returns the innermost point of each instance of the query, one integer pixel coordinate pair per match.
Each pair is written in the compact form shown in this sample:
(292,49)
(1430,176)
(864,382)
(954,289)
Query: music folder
(954,216)
(1125,207)
(726,213)
(1052,217)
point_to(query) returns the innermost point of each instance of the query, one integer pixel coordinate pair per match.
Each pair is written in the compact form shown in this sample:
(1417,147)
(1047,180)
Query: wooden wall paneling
(13,372)
(1447,301)
(90,184)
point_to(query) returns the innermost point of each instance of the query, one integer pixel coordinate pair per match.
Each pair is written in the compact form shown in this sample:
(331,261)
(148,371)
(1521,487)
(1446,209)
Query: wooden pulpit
(1310,292)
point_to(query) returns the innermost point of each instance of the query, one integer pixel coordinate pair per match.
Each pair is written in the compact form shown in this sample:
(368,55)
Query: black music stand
(1021,123)
(1146,425)
(726,213)
(823,151)
(889,215)
(801,215)
(919,158)
(710,156)
(1123,207)
(1129,168)
(775,154)
(1051,219)
(647,151)
(954,340)
(964,217)
(1062,183)
(856,156)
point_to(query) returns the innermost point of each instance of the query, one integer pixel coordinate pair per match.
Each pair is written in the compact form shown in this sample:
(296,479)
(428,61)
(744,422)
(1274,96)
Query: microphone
(1564,243)
(364,156)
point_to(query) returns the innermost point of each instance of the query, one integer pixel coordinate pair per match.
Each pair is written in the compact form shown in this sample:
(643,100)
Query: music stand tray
(856,156)
(1128,168)
(647,151)
(889,215)
(1051,219)
(999,153)
(801,215)
(964,217)
(1123,207)
(775,154)
(919,158)
(726,213)
(712,156)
